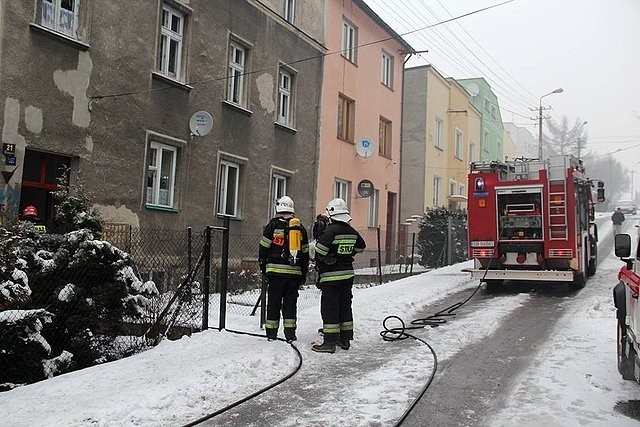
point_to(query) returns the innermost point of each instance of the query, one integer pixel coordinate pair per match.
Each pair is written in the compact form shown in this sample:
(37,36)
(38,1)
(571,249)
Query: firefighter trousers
(282,295)
(336,311)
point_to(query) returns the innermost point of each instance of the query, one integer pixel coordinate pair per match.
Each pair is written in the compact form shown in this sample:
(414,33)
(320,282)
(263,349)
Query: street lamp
(580,138)
(559,90)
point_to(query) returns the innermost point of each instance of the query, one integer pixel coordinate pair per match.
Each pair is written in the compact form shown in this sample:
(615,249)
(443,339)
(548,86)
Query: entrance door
(39,178)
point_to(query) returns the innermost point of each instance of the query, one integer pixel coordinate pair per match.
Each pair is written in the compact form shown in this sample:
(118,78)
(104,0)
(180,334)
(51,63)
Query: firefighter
(617,218)
(335,248)
(30,214)
(284,261)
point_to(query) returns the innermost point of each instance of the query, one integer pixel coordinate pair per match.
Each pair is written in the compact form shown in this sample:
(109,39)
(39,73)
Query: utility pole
(559,90)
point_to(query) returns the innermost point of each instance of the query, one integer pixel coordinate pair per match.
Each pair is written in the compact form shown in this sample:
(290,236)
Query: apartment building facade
(193,110)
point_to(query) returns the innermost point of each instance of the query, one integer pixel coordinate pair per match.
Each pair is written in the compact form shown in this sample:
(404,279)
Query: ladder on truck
(557,202)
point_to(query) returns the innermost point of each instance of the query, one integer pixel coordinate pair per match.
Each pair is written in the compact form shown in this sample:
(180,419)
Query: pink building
(361,116)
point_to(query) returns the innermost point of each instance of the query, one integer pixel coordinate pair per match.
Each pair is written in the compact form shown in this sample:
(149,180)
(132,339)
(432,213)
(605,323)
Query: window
(462,190)
(349,41)
(453,186)
(487,104)
(472,152)
(285,88)
(235,85)
(161,173)
(346,116)
(436,191)
(289,10)
(372,217)
(384,148)
(387,70)
(493,111)
(170,54)
(485,141)
(342,190)
(228,188)
(438,135)
(61,16)
(278,189)
(458,144)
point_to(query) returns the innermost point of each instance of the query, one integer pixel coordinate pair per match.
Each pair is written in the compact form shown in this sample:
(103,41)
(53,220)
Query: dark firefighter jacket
(335,248)
(274,255)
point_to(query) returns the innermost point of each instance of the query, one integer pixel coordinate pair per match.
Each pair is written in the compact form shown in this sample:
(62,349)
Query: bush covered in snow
(433,239)
(64,298)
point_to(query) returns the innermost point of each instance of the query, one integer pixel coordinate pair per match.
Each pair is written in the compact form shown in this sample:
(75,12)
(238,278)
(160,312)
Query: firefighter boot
(290,334)
(344,344)
(328,346)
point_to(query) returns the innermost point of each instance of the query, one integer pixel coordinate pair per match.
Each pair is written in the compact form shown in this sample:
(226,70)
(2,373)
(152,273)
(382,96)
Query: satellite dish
(473,89)
(365,147)
(201,123)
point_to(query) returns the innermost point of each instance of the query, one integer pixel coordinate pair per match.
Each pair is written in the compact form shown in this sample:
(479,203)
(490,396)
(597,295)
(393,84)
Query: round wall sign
(365,188)
(365,147)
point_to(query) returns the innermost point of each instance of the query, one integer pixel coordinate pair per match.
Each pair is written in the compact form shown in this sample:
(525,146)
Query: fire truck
(625,298)
(532,220)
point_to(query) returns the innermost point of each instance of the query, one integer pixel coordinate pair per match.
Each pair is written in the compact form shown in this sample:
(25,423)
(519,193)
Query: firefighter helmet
(30,212)
(337,210)
(284,205)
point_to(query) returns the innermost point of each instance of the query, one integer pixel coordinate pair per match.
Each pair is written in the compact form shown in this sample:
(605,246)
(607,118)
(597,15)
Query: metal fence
(205,278)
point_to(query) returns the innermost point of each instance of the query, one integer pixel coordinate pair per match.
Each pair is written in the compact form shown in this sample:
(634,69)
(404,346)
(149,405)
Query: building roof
(362,5)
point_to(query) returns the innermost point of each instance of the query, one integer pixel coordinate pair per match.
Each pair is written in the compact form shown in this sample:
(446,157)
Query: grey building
(110,89)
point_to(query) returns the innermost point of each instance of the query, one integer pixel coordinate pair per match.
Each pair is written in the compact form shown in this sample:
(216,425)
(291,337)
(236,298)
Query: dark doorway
(39,178)
(391,229)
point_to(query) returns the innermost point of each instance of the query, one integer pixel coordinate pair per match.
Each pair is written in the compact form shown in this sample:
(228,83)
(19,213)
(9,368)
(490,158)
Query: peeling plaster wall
(75,83)
(265,87)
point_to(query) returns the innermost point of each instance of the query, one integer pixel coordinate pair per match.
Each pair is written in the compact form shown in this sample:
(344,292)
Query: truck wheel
(625,363)
(579,281)
(494,286)
(592,263)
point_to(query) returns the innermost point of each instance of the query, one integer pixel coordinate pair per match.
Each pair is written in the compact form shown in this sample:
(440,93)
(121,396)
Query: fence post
(449,240)
(379,257)
(413,245)
(188,248)
(224,273)
(207,278)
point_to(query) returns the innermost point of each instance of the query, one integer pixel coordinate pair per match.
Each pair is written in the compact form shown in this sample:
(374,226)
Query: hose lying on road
(257,393)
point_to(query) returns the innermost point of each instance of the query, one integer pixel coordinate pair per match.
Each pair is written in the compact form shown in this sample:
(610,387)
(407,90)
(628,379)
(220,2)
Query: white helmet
(337,210)
(284,205)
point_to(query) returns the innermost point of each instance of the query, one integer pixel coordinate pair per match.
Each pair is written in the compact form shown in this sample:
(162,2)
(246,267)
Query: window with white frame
(341,190)
(285,92)
(60,16)
(485,141)
(453,187)
(161,174)
(372,217)
(171,35)
(349,41)
(235,79)
(437,181)
(472,152)
(463,190)
(387,70)
(228,188)
(289,10)
(438,133)
(459,143)
(278,189)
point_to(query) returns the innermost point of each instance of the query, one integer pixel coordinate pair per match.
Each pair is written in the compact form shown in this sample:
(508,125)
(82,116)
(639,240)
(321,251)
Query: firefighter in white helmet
(284,260)
(335,248)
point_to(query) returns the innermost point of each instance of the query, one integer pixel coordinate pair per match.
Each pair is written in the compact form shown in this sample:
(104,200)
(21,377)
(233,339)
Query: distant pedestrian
(284,260)
(335,248)
(617,218)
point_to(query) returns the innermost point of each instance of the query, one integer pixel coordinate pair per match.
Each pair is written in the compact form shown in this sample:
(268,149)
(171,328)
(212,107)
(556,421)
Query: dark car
(627,207)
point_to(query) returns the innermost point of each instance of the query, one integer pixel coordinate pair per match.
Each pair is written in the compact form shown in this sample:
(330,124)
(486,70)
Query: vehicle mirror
(622,245)
(600,195)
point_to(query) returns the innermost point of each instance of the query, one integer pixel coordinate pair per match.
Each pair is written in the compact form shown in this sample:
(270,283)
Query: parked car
(627,206)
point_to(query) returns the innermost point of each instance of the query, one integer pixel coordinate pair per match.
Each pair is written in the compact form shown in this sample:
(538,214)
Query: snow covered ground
(574,380)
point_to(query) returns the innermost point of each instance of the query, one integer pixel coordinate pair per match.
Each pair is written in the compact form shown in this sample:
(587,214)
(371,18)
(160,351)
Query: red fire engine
(532,220)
